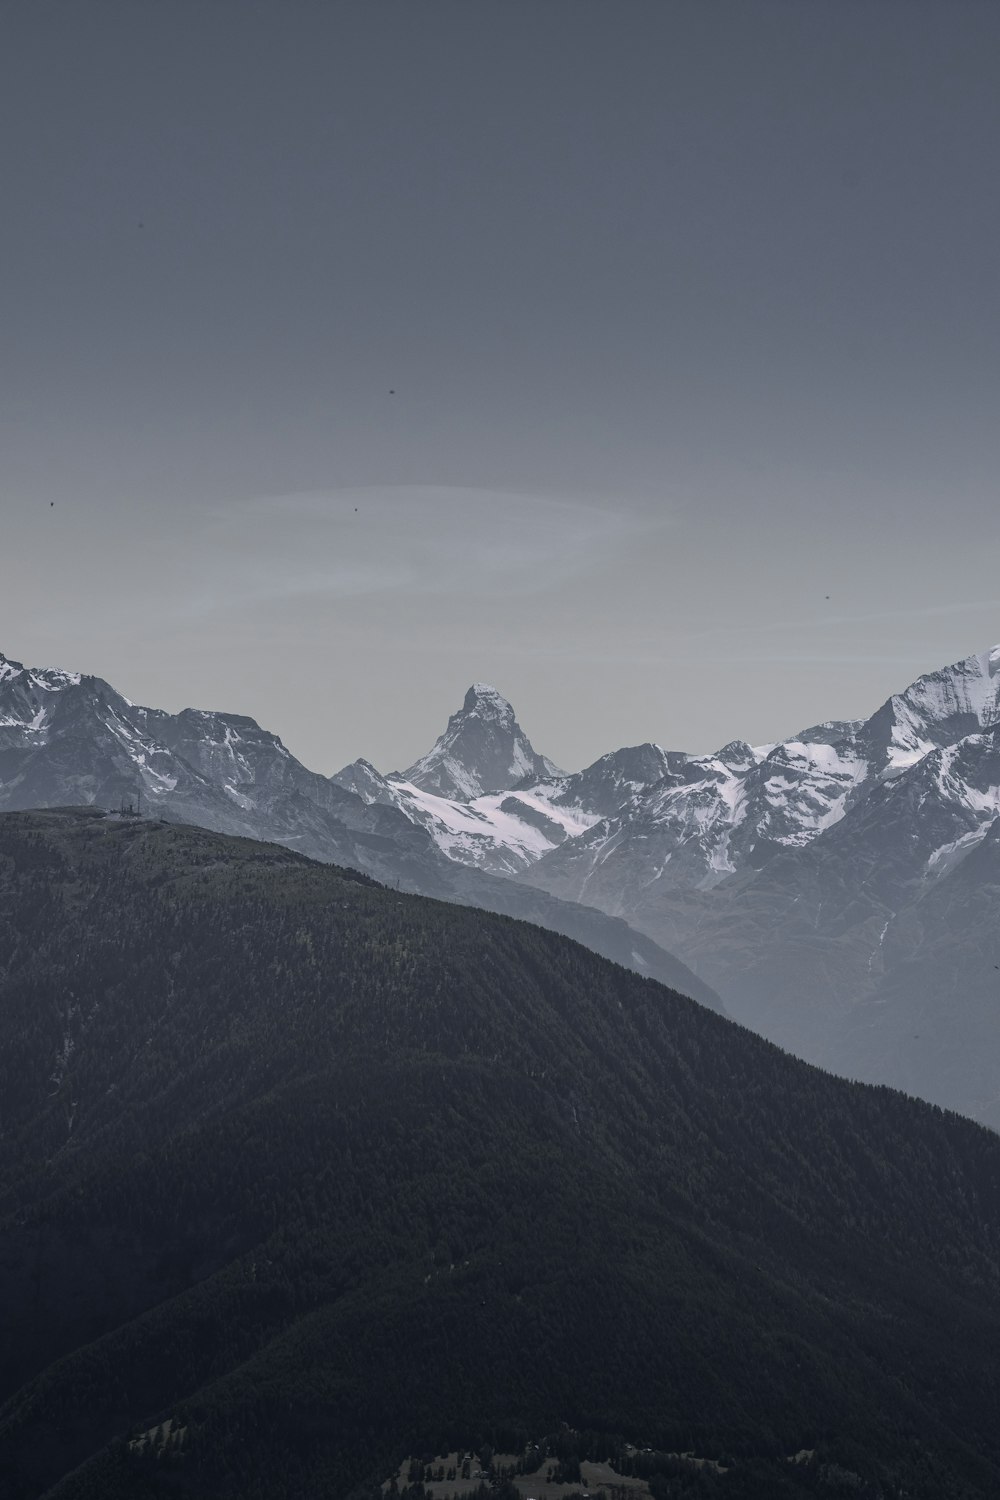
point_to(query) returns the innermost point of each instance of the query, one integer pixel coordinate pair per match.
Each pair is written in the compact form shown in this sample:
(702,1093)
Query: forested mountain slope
(327,1174)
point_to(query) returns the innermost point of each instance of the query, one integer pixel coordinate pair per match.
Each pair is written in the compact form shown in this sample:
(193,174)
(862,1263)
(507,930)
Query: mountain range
(838,888)
(69,739)
(300,1175)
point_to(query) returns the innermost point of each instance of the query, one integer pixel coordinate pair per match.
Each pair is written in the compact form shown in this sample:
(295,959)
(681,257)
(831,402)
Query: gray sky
(690,313)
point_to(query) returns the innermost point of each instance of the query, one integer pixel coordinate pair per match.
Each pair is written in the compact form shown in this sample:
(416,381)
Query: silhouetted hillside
(328,1175)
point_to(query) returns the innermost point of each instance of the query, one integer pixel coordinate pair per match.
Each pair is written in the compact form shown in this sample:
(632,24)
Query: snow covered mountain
(719,815)
(794,876)
(483,749)
(70,739)
(790,876)
(505,831)
(643,822)
(461,790)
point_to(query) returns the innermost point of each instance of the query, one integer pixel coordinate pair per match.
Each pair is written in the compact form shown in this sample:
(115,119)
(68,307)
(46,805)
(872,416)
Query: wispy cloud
(418,539)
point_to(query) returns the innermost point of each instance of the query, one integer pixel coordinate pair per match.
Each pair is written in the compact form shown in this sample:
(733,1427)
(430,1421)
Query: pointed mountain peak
(484,702)
(364,780)
(483,749)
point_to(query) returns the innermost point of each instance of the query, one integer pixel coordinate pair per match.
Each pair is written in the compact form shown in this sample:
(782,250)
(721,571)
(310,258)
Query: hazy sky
(354,351)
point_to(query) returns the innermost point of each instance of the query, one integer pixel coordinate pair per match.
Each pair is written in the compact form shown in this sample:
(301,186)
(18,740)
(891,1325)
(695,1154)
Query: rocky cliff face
(483,749)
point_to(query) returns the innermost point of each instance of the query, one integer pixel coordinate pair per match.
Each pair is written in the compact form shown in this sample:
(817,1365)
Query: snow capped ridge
(937,709)
(118,748)
(969,688)
(503,832)
(28,696)
(916,786)
(47,679)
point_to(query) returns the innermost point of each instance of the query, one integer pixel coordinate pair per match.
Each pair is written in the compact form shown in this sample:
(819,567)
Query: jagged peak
(738,755)
(485,702)
(482,749)
(45,677)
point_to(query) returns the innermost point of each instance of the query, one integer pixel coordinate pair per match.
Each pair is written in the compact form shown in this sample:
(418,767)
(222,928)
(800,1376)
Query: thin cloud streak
(668,655)
(415,540)
(926,612)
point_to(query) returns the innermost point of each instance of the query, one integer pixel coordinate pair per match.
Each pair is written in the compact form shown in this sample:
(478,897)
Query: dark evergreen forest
(327,1175)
